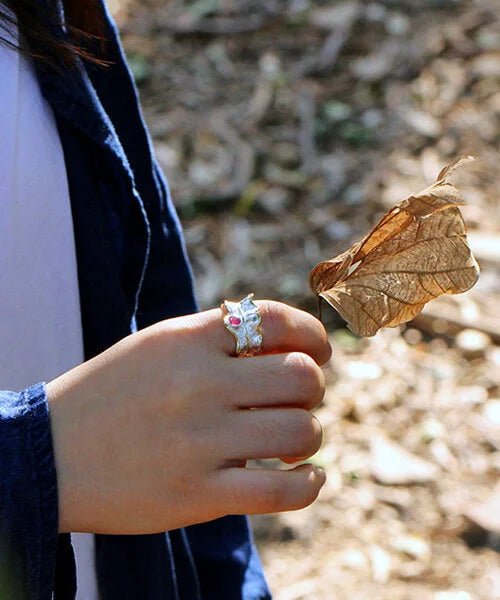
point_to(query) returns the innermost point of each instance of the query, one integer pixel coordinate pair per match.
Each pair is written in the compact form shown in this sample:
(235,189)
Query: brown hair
(82,19)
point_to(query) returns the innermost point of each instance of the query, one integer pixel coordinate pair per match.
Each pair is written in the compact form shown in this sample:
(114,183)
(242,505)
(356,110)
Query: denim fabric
(28,496)
(132,271)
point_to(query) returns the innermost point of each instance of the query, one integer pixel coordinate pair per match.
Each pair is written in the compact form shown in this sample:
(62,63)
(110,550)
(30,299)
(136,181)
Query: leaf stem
(320,312)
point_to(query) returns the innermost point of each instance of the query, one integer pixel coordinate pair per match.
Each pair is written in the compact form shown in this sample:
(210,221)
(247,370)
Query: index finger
(284,329)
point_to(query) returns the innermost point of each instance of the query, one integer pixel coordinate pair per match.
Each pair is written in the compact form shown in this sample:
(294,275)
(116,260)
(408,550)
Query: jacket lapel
(73,97)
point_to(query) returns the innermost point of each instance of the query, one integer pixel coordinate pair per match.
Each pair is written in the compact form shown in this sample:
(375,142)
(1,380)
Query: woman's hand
(154,433)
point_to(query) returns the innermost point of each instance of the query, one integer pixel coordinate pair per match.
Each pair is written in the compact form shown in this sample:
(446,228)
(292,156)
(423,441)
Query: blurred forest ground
(286,129)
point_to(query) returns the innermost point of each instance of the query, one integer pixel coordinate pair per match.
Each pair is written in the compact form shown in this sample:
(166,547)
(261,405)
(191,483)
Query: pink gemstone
(235,321)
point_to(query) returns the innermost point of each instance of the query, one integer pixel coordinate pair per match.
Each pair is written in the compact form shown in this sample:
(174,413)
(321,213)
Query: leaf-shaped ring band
(242,319)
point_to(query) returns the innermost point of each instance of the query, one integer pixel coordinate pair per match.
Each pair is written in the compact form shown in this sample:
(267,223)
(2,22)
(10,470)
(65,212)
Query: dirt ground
(286,129)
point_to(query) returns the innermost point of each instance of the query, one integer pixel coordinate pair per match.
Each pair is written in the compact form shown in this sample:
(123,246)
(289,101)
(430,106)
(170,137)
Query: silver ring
(243,320)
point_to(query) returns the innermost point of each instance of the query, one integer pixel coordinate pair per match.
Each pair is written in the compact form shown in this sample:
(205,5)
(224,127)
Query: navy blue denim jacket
(132,271)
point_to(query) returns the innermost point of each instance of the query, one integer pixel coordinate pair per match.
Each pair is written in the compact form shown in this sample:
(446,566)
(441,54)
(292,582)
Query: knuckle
(324,348)
(309,496)
(308,433)
(318,434)
(308,377)
(301,501)
(328,351)
(319,337)
(275,318)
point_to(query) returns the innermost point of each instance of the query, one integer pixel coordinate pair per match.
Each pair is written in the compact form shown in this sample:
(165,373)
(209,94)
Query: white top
(40,321)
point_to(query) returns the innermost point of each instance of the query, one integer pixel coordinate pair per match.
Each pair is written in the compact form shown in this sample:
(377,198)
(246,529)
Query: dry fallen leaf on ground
(417,252)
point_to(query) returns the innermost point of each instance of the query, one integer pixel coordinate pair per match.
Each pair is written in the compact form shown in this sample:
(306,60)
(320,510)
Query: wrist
(63,447)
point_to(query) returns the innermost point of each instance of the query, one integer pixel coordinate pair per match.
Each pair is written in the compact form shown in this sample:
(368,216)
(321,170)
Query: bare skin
(154,433)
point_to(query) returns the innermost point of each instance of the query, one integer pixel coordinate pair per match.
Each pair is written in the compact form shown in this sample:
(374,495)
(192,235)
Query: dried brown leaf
(416,252)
